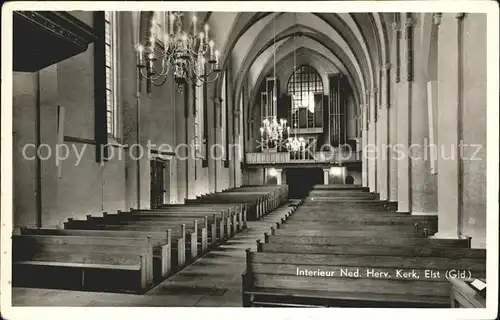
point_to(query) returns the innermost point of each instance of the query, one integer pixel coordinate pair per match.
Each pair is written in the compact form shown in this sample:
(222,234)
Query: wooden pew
(464,296)
(277,279)
(163,264)
(114,263)
(379,250)
(135,218)
(277,194)
(178,233)
(344,195)
(340,187)
(299,232)
(236,215)
(254,204)
(214,223)
(364,217)
(363,241)
(373,224)
(329,206)
(194,206)
(189,232)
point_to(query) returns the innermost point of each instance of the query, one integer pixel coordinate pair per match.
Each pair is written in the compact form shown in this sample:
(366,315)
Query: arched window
(305,88)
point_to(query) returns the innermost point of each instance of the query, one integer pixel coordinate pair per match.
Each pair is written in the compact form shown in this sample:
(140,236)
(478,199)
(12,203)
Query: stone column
(372,141)
(383,135)
(364,143)
(423,183)
(393,116)
(326,175)
(448,126)
(403,128)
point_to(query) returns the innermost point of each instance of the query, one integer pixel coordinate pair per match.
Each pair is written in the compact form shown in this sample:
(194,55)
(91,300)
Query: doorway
(300,181)
(158,183)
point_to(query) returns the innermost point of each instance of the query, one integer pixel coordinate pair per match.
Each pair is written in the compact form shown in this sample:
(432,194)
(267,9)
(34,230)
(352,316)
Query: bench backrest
(288,263)
(380,241)
(404,251)
(80,249)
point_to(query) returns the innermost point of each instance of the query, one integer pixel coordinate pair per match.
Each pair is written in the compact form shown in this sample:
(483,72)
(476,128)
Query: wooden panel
(332,227)
(353,285)
(377,250)
(315,261)
(361,270)
(341,233)
(336,240)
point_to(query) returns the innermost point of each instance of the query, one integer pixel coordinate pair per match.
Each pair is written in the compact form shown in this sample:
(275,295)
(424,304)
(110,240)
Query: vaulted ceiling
(354,44)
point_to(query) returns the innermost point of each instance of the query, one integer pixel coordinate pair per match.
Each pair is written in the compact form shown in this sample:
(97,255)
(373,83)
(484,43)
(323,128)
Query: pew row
(83,262)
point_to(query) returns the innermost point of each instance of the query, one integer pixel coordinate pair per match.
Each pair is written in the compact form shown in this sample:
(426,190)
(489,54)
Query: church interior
(249,159)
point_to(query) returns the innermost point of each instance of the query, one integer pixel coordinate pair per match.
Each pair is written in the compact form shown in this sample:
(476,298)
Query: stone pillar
(448,127)
(403,128)
(279,178)
(326,176)
(423,183)
(393,116)
(393,140)
(383,136)
(364,142)
(372,141)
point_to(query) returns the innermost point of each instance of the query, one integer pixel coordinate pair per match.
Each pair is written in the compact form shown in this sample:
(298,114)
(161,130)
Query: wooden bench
(234,219)
(188,232)
(340,187)
(464,296)
(366,240)
(238,207)
(87,263)
(368,218)
(339,233)
(260,199)
(163,264)
(276,194)
(135,218)
(254,204)
(178,234)
(379,250)
(344,195)
(280,279)
(215,223)
(353,206)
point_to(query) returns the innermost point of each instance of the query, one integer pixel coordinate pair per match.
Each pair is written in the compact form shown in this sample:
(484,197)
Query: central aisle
(214,280)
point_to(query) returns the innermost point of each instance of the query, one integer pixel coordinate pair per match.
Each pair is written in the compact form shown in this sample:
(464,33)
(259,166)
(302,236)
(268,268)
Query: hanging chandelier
(272,129)
(191,56)
(295,143)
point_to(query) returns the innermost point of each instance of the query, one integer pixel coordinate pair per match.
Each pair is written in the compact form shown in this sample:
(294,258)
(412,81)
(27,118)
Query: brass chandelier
(272,129)
(189,54)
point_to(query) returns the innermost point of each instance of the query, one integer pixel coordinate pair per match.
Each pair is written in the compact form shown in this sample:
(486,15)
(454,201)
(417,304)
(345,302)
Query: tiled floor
(212,281)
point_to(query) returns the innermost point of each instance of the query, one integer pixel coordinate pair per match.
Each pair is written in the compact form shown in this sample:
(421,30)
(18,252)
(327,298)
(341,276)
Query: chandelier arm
(161,83)
(145,76)
(155,76)
(209,73)
(152,78)
(193,69)
(159,53)
(214,79)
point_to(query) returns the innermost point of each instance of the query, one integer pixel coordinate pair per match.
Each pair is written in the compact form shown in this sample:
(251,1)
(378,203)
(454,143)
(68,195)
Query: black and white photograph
(338,155)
